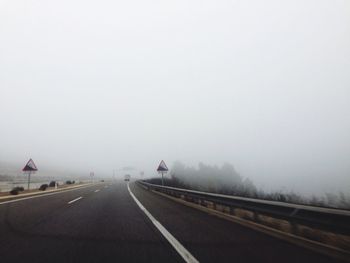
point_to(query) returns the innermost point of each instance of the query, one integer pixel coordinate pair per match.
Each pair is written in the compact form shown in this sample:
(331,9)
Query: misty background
(100,85)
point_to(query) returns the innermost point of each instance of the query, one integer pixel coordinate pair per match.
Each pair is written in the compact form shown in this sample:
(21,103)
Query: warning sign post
(29,168)
(162,169)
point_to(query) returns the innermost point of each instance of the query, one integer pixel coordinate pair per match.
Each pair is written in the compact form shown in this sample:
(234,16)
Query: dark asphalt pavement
(104,226)
(108,226)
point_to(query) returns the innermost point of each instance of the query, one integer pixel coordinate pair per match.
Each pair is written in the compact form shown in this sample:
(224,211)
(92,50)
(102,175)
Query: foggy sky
(99,85)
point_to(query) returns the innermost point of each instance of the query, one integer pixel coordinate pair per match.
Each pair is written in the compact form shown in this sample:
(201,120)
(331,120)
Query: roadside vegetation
(43,187)
(16,190)
(70,182)
(226,180)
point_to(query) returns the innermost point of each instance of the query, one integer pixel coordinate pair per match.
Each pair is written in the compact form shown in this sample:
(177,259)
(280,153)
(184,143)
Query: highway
(104,223)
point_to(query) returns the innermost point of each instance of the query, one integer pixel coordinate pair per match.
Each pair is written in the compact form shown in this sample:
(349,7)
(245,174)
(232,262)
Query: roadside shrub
(14,191)
(52,184)
(70,182)
(18,188)
(43,187)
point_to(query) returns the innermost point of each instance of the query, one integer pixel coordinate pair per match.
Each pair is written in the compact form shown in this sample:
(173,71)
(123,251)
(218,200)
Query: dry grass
(325,237)
(242,213)
(223,208)
(279,224)
(208,204)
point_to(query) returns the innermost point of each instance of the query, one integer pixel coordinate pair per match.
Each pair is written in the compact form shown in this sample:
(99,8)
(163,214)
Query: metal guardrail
(328,219)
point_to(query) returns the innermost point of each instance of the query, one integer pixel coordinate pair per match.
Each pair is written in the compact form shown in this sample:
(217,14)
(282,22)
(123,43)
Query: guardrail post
(294,227)
(293,224)
(256,216)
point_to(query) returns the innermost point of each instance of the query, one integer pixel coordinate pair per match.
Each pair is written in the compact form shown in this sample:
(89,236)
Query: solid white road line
(97,190)
(76,199)
(184,253)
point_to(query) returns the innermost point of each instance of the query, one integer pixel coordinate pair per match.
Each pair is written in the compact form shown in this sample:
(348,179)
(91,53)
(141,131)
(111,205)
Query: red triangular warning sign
(30,166)
(162,167)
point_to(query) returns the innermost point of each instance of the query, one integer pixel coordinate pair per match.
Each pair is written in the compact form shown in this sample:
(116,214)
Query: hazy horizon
(265,86)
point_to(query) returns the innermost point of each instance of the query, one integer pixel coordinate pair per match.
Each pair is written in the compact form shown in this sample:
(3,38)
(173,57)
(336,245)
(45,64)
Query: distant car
(127,178)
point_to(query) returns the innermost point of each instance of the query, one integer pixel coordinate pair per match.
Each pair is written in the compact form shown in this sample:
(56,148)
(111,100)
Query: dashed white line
(97,190)
(184,253)
(42,195)
(76,199)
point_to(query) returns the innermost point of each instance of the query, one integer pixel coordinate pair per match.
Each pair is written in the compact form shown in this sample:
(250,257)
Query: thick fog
(101,85)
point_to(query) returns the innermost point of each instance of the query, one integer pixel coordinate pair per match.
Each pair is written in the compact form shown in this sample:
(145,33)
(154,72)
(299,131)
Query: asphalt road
(102,223)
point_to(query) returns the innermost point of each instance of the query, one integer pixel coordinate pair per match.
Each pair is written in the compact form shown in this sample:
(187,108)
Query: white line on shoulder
(184,253)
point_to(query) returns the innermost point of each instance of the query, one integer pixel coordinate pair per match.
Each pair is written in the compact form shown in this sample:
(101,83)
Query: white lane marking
(41,195)
(76,199)
(97,190)
(184,253)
